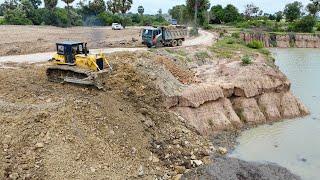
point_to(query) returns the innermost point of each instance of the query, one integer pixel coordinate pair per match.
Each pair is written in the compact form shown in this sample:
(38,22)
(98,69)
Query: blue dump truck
(164,36)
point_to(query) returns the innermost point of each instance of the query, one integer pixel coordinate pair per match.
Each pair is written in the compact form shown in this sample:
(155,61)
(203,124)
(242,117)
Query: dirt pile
(61,131)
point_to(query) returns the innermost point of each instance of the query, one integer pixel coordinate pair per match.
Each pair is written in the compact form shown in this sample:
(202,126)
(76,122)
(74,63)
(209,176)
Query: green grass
(226,47)
(2,20)
(170,51)
(254,44)
(181,53)
(231,48)
(202,55)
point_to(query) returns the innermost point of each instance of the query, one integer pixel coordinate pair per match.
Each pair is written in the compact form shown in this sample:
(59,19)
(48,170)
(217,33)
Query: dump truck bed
(175,33)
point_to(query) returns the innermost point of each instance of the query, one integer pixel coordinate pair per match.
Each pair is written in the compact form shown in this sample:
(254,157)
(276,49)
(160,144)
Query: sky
(152,6)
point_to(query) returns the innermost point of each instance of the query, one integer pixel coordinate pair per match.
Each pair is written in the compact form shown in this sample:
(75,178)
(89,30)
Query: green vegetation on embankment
(230,47)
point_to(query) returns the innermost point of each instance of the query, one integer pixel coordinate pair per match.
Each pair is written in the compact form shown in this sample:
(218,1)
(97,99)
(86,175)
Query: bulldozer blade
(70,74)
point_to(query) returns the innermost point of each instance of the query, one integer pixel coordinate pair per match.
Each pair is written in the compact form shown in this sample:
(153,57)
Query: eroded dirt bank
(297,40)
(150,122)
(215,94)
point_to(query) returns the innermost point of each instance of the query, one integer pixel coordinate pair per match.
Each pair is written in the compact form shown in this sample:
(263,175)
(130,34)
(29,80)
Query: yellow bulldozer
(73,64)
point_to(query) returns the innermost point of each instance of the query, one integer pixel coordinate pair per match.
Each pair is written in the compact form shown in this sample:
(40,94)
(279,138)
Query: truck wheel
(179,42)
(174,43)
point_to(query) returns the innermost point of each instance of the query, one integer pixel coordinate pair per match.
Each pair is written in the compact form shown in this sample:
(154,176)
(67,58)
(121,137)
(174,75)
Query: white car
(117,26)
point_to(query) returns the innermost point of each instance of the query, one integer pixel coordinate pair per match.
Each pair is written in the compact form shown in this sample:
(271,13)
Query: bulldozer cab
(70,48)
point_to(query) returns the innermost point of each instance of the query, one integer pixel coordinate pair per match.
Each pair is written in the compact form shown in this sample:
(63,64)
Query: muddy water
(294,144)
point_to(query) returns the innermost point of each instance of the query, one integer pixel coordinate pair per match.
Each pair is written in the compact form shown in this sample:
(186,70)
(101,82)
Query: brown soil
(61,131)
(34,39)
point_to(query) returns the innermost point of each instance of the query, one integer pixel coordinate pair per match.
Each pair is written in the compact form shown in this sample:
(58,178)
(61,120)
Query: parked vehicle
(174,22)
(164,36)
(117,26)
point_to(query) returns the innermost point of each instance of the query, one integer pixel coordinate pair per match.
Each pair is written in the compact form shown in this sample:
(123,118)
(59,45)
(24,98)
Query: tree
(292,11)
(16,16)
(50,4)
(9,5)
(251,10)
(140,10)
(180,13)
(305,24)
(313,9)
(160,12)
(271,17)
(97,6)
(30,11)
(124,5)
(279,16)
(202,6)
(231,13)
(68,2)
(217,14)
(35,3)
(112,6)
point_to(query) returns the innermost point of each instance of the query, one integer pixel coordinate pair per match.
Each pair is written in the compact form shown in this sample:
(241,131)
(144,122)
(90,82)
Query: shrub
(2,21)
(255,44)
(246,60)
(235,35)
(202,55)
(265,51)
(194,32)
(230,41)
(318,27)
(16,17)
(305,24)
(61,16)
(207,26)
(107,18)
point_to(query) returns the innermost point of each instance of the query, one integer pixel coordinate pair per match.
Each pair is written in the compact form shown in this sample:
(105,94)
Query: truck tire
(174,43)
(180,42)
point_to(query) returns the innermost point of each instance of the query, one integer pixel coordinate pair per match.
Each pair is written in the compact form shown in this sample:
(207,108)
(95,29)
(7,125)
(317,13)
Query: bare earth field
(34,39)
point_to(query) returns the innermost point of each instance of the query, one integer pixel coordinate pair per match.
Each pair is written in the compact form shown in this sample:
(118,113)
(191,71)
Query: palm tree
(68,2)
(50,4)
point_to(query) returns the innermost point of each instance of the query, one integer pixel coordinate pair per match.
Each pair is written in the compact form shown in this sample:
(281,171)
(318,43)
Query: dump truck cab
(151,35)
(69,50)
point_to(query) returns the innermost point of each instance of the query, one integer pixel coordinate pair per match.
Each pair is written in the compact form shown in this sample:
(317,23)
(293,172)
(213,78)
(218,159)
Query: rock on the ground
(222,150)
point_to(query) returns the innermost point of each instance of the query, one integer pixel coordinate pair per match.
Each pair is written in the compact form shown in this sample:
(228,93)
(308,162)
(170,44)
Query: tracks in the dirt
(205,38)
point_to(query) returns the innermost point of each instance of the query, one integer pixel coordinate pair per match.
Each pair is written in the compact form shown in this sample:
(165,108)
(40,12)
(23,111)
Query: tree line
(294,17)
(95,12)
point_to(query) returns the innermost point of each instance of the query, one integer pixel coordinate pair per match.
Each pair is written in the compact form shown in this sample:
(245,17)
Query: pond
(294,144)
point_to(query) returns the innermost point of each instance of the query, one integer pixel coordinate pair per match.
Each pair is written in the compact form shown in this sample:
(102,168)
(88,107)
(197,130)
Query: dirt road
(205,38)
